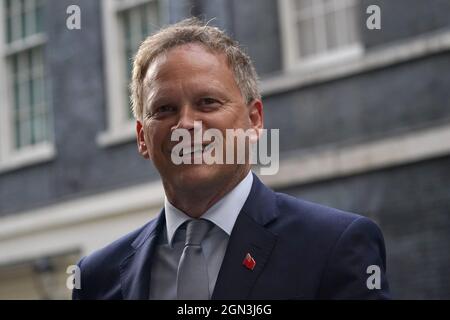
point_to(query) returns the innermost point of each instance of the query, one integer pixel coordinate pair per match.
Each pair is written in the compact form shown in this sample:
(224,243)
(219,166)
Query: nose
(186,118)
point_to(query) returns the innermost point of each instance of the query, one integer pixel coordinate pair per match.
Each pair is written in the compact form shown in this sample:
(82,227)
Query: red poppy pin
(249,262)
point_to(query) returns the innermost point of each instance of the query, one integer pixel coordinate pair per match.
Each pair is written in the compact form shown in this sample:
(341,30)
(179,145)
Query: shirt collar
(174,219)
(223,213)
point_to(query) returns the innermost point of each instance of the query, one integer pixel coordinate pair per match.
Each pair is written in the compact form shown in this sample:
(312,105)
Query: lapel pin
(249,262)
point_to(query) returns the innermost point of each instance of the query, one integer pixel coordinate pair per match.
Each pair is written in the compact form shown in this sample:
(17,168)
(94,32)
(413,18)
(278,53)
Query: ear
(142,146)
(256,116)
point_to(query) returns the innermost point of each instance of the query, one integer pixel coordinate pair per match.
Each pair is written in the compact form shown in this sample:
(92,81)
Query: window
(126,23)
(318,31)
(25,126)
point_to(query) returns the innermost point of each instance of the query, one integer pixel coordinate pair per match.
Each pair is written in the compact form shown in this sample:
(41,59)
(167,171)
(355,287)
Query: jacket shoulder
(102,267)
(345,245)
(313,215)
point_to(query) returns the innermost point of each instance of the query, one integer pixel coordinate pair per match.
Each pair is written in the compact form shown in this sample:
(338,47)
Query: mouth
(195,150)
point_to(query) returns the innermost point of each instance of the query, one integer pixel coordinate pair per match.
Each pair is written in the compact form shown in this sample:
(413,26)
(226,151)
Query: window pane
(352,25)
(331,29)
(307,41)
(38,90)
(30,15)
(39,127)
(8,28)
(15,20)
(137,23)
(25,131)
(300,5)
(324,25)
(23,18)
(144,23)
(17,142)
(31,110)
(39,18)
(332,4)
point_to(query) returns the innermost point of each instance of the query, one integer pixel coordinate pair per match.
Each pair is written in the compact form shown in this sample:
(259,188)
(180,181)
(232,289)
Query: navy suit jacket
(302,250)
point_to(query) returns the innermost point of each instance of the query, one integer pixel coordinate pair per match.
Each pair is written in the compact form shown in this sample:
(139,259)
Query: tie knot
(196,230)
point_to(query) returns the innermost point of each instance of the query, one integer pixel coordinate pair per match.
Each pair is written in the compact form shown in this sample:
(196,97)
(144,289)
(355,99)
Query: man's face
(187,84)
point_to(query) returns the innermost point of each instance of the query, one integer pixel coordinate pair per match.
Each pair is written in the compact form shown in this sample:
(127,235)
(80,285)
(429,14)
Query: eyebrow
(165,93)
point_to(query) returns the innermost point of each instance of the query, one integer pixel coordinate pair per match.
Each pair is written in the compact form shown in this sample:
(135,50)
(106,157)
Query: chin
(198,176)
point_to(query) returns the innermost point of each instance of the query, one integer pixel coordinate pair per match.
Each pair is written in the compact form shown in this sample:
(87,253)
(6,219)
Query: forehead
(188,61)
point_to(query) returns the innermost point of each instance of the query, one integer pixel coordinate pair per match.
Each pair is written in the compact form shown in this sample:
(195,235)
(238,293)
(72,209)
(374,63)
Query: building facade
(363,114)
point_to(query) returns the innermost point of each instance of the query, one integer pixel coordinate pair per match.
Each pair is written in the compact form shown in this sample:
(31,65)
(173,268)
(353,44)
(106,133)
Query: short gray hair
(187,31)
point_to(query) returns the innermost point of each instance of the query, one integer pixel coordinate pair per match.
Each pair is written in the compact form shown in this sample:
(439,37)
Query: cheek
(240,114)
(232,116)
(240,121)
(149,137)
(155,138)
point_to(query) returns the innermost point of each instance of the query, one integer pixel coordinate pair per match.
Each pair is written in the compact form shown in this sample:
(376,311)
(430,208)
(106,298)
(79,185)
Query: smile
(195,150)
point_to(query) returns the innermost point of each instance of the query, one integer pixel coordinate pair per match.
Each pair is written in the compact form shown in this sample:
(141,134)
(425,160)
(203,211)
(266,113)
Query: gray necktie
(192,276)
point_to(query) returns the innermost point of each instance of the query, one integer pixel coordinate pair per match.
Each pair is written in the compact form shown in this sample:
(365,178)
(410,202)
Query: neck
(196,202)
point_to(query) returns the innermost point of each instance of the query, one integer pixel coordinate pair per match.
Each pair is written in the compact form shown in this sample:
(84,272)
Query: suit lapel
(235,280)
(135,269)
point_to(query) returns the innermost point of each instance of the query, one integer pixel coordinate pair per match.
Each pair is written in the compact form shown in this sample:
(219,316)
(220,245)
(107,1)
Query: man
(222,234)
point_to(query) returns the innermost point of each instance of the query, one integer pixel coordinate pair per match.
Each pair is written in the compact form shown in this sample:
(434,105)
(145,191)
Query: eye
(160,112)
(163,110)
(209,102)
(166,108)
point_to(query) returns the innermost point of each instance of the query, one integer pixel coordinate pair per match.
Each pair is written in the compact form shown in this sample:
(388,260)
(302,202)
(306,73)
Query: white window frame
(10,158)
(119,128)
(290,46)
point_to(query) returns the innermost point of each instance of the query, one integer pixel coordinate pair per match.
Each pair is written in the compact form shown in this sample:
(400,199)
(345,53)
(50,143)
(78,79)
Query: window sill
(373,59)
(327,59)
(28,156)
(112,137)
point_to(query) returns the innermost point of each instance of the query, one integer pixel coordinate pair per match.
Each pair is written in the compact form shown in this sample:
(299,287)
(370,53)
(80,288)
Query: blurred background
(364,119)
